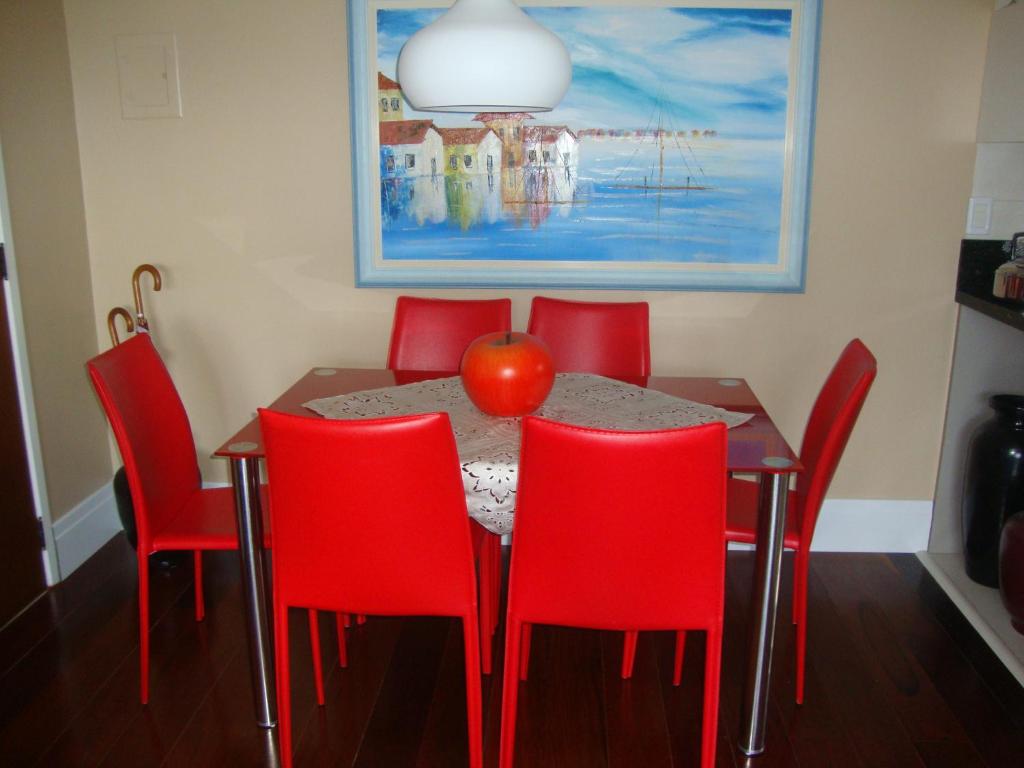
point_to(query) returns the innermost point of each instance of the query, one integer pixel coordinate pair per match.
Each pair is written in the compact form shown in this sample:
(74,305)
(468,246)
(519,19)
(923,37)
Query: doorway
(21,542)
(24,516)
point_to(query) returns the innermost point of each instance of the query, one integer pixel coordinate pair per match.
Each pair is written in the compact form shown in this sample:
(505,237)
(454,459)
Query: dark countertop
(979,260)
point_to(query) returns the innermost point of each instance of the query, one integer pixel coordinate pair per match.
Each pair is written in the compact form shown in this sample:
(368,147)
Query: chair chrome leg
(771,529)
(245,477)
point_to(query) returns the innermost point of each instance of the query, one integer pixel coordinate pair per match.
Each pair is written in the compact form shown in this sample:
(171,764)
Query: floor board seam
(199,706)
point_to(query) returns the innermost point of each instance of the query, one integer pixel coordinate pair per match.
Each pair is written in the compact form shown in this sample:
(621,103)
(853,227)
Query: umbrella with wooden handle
(122,494)
(129,324)
(141,323)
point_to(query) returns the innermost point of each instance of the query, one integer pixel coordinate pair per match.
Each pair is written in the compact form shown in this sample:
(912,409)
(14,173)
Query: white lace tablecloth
(489,446)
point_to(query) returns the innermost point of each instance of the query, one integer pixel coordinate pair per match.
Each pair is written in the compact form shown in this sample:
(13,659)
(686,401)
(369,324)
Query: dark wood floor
(895,678)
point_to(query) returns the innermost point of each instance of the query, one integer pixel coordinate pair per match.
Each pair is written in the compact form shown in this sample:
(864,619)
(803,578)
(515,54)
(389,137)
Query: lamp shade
(484,56)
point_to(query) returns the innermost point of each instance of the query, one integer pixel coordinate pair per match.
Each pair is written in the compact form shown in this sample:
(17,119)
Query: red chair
(337,548)
(602,550)
(606,338)
(828,429)
(172,510)
(432,334)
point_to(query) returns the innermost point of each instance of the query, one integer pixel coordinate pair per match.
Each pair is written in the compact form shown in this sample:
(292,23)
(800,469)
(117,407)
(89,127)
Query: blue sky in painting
(706,68)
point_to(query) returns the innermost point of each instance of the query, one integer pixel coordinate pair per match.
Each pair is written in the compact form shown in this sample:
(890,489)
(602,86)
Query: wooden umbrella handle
(112,316)
(140,314)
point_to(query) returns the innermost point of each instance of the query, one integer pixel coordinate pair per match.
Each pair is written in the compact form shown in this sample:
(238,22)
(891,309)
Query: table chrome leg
(771,529)
(245,477)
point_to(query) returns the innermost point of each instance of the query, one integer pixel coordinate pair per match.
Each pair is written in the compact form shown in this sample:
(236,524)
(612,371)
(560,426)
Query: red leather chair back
(432,334)
(349,534)
(829,427)
(619,530)
(606,338)
(151,429)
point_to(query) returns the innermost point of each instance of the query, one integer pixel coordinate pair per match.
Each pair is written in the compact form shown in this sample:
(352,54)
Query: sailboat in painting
(696,178)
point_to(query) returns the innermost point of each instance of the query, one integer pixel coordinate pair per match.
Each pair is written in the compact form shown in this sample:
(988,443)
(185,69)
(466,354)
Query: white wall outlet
(979,216)
(147,69)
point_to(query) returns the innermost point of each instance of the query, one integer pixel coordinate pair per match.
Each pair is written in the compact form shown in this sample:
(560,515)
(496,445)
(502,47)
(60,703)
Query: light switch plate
(979,216)
(147,69)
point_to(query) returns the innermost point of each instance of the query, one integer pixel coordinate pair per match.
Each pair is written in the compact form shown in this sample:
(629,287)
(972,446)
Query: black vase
(993,486)
(125,508)
(126,511)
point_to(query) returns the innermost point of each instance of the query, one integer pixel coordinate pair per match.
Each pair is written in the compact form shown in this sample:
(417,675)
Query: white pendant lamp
(484,56)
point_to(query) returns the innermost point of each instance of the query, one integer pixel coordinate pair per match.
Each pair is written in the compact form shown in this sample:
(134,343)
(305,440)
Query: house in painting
(540,161)
(509,128)
(411,171)
(550,146)
(472,167)
(389,99)
(410,148)
(550,164)
(469,151)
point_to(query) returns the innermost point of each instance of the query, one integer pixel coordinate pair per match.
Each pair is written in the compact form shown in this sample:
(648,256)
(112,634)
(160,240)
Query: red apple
(507,374)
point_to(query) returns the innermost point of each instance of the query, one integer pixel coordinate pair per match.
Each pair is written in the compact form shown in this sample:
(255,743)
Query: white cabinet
(989,355)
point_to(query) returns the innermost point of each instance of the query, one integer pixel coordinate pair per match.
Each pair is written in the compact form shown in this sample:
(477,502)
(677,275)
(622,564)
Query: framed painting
(679,159)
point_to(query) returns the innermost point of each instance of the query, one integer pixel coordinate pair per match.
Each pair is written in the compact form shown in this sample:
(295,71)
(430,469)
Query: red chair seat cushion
(741,514)
(208,521)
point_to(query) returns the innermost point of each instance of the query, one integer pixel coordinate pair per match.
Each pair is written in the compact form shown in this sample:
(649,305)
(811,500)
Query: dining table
(755,447)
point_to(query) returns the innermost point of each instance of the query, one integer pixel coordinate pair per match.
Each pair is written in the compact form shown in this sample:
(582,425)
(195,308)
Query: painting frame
(374,268)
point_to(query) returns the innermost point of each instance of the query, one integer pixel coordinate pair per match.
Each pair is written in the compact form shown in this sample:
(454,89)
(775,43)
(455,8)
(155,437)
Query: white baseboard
(871,525)
(845,525)
(852,525)
(88,526)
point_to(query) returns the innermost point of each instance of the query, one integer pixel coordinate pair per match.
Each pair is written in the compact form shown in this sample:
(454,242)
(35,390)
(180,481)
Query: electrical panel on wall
(979,216)
(147,69)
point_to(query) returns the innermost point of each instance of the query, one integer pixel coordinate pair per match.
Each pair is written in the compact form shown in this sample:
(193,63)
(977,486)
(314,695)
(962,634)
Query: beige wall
(41,165)
(245,203)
